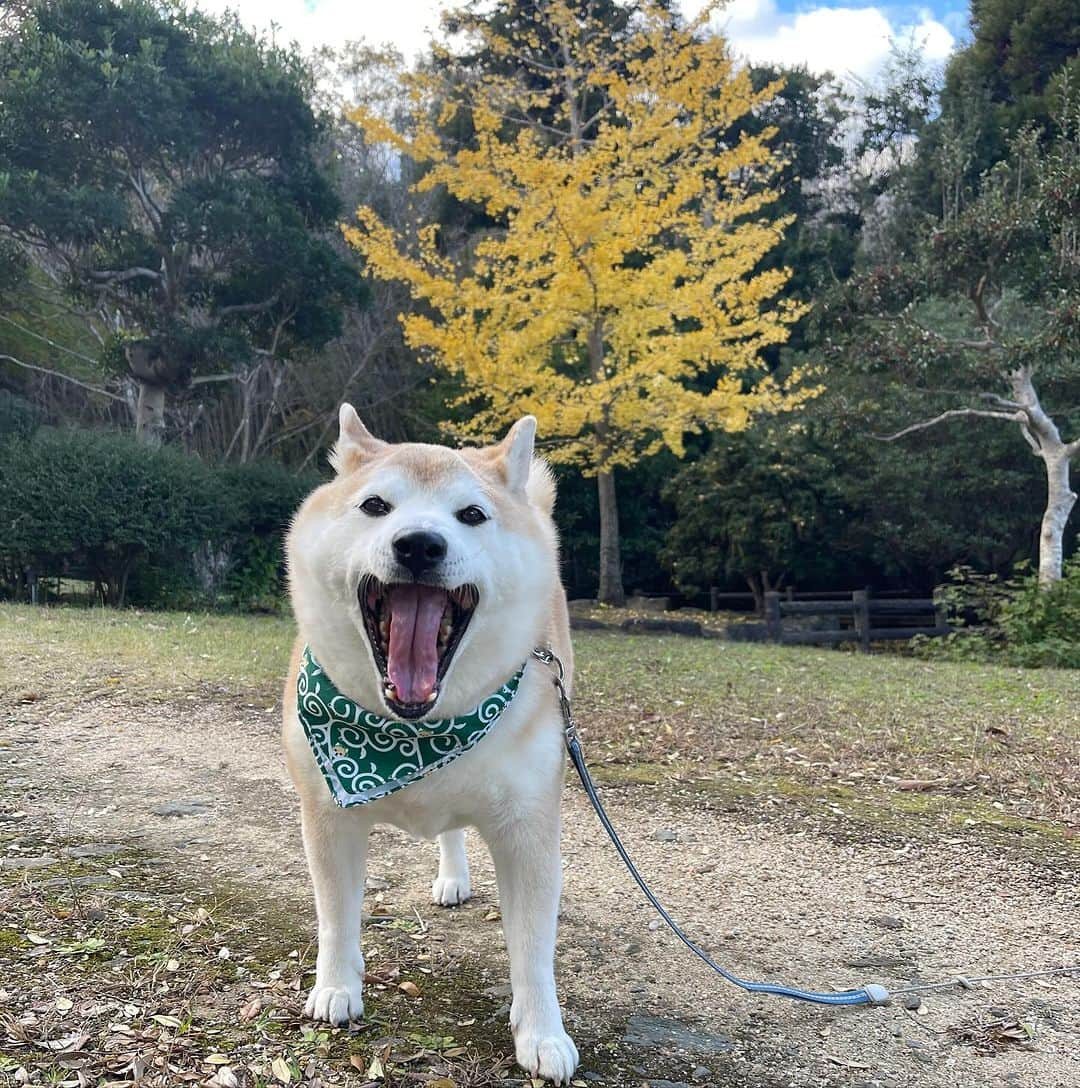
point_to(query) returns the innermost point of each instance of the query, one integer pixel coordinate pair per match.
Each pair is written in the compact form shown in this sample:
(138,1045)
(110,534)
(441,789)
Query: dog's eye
(375,507)
(471,515)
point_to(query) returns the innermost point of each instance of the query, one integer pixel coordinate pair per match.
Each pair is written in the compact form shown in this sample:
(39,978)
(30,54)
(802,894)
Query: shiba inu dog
(421,578)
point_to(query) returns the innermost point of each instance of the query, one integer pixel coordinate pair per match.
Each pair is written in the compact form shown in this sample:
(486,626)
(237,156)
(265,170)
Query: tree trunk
(1060,499)
(150,414)
(1043,436)
(759,594)
(611,585)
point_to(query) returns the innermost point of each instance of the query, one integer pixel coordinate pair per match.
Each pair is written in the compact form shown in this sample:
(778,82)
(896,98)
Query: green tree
(982,319)
(95,503)
(764,506)
(160,166)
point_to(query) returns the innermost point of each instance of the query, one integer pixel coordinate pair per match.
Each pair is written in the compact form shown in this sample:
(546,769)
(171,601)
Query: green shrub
(1014,619)
(18,417)
(93,504)
(262,498)
(146,526)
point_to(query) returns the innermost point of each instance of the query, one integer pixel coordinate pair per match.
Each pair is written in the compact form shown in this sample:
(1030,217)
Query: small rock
(881,960)
(912,1001)
(631,948)
(27,863)
(91,850)
(703,1072)
(502,989)
(665,834)
(655,1031)
(886,921)
(181,808)
(638,989)
(375,884)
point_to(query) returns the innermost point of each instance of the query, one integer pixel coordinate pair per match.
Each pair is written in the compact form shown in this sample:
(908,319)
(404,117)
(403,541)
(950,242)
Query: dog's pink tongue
(413,658)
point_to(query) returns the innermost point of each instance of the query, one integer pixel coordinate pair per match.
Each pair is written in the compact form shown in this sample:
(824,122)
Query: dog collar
(364,756)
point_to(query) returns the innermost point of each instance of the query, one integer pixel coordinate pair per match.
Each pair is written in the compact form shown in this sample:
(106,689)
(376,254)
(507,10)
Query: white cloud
(408,24)
(848,41)
(845,40)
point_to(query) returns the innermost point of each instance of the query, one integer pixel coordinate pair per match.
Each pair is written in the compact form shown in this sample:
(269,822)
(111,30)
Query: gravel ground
(818,903)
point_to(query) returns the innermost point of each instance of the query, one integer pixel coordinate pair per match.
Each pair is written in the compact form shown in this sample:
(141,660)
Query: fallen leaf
(409,988)
(225,1078)
(251,1009)
(223,954)
(166,1021)
(70,1044)
(63,1004)
(845,1064)
(36,938)
(375,1071)
(280,1068)
(442,1082)
(216,1059)
(172,965)
(357,1061)
(919,784)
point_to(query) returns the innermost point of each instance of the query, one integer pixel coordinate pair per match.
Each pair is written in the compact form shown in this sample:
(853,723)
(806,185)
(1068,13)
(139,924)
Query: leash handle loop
(871,994)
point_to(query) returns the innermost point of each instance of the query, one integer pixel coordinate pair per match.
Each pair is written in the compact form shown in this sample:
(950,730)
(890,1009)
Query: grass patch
(144,656)
(116,970)
(884,726)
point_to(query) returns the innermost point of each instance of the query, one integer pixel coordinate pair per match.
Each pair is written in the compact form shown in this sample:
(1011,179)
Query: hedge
(146,526)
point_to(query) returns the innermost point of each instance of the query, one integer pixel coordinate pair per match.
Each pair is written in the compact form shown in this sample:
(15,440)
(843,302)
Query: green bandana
(364,756)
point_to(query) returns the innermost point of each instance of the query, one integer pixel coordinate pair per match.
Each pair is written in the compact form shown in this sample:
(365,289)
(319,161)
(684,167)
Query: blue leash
(870,994)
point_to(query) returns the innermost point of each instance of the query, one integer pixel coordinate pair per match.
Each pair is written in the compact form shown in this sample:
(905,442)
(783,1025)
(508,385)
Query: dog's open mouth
(414,631)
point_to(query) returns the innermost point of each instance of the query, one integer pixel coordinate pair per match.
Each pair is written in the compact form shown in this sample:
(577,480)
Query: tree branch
(206,379)
(250,307)
(985,344)
(46,340)
(62,377)
(954,413)
(117,276)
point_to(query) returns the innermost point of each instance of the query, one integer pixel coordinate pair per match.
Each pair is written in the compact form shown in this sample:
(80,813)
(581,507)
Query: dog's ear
(355,442)
(515,453)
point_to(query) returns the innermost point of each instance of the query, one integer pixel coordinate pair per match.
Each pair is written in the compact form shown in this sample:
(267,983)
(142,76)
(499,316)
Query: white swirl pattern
(364,756)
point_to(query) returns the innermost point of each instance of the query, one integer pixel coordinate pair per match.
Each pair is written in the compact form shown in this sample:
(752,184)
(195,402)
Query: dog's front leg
(529,873)
(336,846)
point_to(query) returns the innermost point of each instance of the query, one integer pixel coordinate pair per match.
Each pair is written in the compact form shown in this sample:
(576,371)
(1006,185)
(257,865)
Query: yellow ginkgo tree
(619,296)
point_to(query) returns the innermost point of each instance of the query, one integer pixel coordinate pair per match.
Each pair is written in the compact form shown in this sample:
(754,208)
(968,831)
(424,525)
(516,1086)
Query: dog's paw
(552,1057)
(450,891)
(338,1001)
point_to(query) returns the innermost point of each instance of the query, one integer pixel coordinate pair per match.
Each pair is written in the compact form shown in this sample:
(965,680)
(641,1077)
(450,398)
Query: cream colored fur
(508,787)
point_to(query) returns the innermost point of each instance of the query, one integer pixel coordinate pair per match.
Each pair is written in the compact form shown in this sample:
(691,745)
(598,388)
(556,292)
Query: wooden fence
(859,618)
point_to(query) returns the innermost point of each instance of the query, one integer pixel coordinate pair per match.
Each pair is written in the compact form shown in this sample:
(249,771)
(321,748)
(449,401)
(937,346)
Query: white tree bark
(150,414)
(1045,440)
(1042,435)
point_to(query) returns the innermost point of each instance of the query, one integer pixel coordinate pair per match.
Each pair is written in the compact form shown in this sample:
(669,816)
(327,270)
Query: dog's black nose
(419,551)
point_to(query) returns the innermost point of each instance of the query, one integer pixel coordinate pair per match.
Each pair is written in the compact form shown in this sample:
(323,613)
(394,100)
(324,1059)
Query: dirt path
(205,787)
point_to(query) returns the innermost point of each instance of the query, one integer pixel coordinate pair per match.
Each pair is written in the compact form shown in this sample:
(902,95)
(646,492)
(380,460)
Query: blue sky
(848,37)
